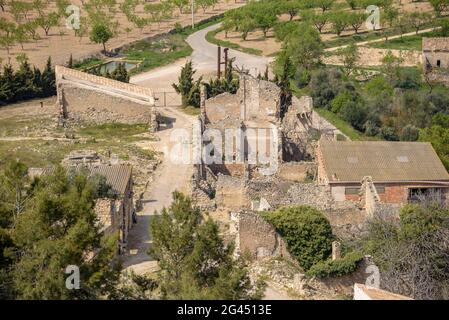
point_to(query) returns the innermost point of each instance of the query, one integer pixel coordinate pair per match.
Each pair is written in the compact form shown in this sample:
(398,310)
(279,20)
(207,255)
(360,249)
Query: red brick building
(401,171)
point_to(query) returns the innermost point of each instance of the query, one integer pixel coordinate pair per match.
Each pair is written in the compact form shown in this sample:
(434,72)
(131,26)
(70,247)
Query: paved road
(204,59)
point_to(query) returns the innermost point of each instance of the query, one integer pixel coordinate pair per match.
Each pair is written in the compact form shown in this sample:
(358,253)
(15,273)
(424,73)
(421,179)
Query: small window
(380,189)
(438,63)
(352,190)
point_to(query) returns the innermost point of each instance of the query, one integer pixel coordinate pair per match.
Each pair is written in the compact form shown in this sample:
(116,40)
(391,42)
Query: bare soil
(61,42)
(270,45)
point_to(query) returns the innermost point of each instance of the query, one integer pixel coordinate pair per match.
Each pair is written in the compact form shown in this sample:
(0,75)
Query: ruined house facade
(255,133)
(86,97)
(388,172)
(436,59)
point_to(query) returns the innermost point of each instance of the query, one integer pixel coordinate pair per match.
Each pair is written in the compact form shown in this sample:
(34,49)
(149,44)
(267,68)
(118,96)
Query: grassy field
(368,35)
(40,151)
(191,111)
(405,43)
(210,37)
(158,52)
(340,124)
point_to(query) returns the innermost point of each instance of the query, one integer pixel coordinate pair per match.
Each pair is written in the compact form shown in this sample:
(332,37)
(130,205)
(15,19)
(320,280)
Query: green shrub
(347,265)
(307,232)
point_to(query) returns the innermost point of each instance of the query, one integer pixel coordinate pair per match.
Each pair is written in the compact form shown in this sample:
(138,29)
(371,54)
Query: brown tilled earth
(61,42)
(368,56)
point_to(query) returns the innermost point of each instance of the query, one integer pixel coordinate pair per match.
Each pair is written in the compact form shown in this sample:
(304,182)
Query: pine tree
(24,81)
(185,83)
(283,81)
(57,227)
(48,80)
(7,85)
(195,262)
(120,73)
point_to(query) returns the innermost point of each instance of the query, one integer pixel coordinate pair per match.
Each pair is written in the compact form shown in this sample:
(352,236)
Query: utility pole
(193,14)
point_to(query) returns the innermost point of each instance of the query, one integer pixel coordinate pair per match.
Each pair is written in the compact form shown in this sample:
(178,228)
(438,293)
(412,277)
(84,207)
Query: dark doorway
(423,194)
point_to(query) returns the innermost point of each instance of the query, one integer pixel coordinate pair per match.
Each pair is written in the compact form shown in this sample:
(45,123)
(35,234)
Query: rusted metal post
(219,63)
(226,61)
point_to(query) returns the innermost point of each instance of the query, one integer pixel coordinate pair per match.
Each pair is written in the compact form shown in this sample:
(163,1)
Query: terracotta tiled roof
(117,176)
(384,161)
(435,44)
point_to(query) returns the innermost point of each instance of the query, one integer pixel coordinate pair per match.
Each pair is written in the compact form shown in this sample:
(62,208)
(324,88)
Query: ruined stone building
(400,171)
(254,111)
(115,209)
(262,136)
(436,59)
(86,97)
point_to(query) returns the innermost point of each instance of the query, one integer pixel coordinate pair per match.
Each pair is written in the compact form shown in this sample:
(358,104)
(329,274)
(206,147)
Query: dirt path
(383,39)
(274,294)
(168,178)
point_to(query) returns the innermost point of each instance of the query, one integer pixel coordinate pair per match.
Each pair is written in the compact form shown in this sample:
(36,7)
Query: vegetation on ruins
(47,224)
(307,232)
(26,82)
(194,260)
(189,89)
(336,268)
(229,83)
(412,252)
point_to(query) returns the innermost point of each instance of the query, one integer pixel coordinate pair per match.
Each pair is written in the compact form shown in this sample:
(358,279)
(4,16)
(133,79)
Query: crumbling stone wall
(297,171)
(96,107)
(258,238)
(85,97)
(230,193)
(259,99)
(436,59)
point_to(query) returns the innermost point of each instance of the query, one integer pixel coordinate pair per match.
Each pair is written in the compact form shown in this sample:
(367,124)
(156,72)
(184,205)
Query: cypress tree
(48,80)
(7,88)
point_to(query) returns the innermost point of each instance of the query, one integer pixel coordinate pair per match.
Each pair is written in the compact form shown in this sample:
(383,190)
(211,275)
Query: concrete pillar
(336,250)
